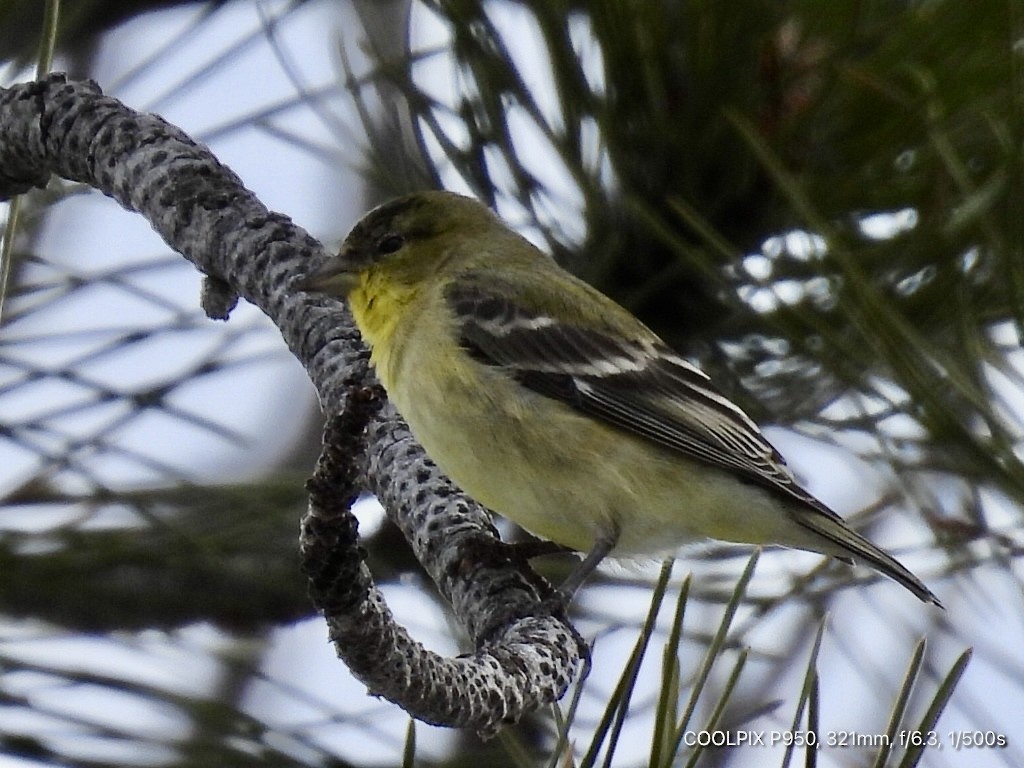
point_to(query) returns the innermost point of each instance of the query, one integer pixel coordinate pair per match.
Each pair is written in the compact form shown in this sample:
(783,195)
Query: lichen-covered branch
(528,657)
(525,657)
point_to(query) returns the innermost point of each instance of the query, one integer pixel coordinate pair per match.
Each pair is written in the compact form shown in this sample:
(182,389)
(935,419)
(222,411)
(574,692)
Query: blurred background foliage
(820,202)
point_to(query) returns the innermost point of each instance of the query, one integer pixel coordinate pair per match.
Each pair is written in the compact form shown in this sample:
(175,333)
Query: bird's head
(410,237)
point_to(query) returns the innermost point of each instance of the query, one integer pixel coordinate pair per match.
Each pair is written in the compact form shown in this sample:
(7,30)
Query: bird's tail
(848,543)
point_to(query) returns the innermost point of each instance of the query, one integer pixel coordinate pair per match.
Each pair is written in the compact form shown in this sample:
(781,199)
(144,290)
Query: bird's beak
(337,276)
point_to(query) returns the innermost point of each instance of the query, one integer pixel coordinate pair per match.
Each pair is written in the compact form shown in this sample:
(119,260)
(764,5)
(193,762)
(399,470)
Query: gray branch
(525,657)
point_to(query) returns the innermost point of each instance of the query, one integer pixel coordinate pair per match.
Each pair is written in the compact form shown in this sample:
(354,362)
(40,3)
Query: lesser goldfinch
(549,403)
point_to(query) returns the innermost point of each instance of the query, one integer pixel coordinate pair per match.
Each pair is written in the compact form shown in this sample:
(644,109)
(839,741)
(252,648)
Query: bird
(554,406)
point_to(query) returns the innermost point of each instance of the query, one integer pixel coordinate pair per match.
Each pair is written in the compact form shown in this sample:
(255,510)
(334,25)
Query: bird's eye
(389,244)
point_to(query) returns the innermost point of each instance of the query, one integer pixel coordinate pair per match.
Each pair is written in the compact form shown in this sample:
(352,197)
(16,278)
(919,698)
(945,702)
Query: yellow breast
(378,306)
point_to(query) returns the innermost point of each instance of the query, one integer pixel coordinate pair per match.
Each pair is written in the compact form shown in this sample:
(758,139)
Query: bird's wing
(635,383)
